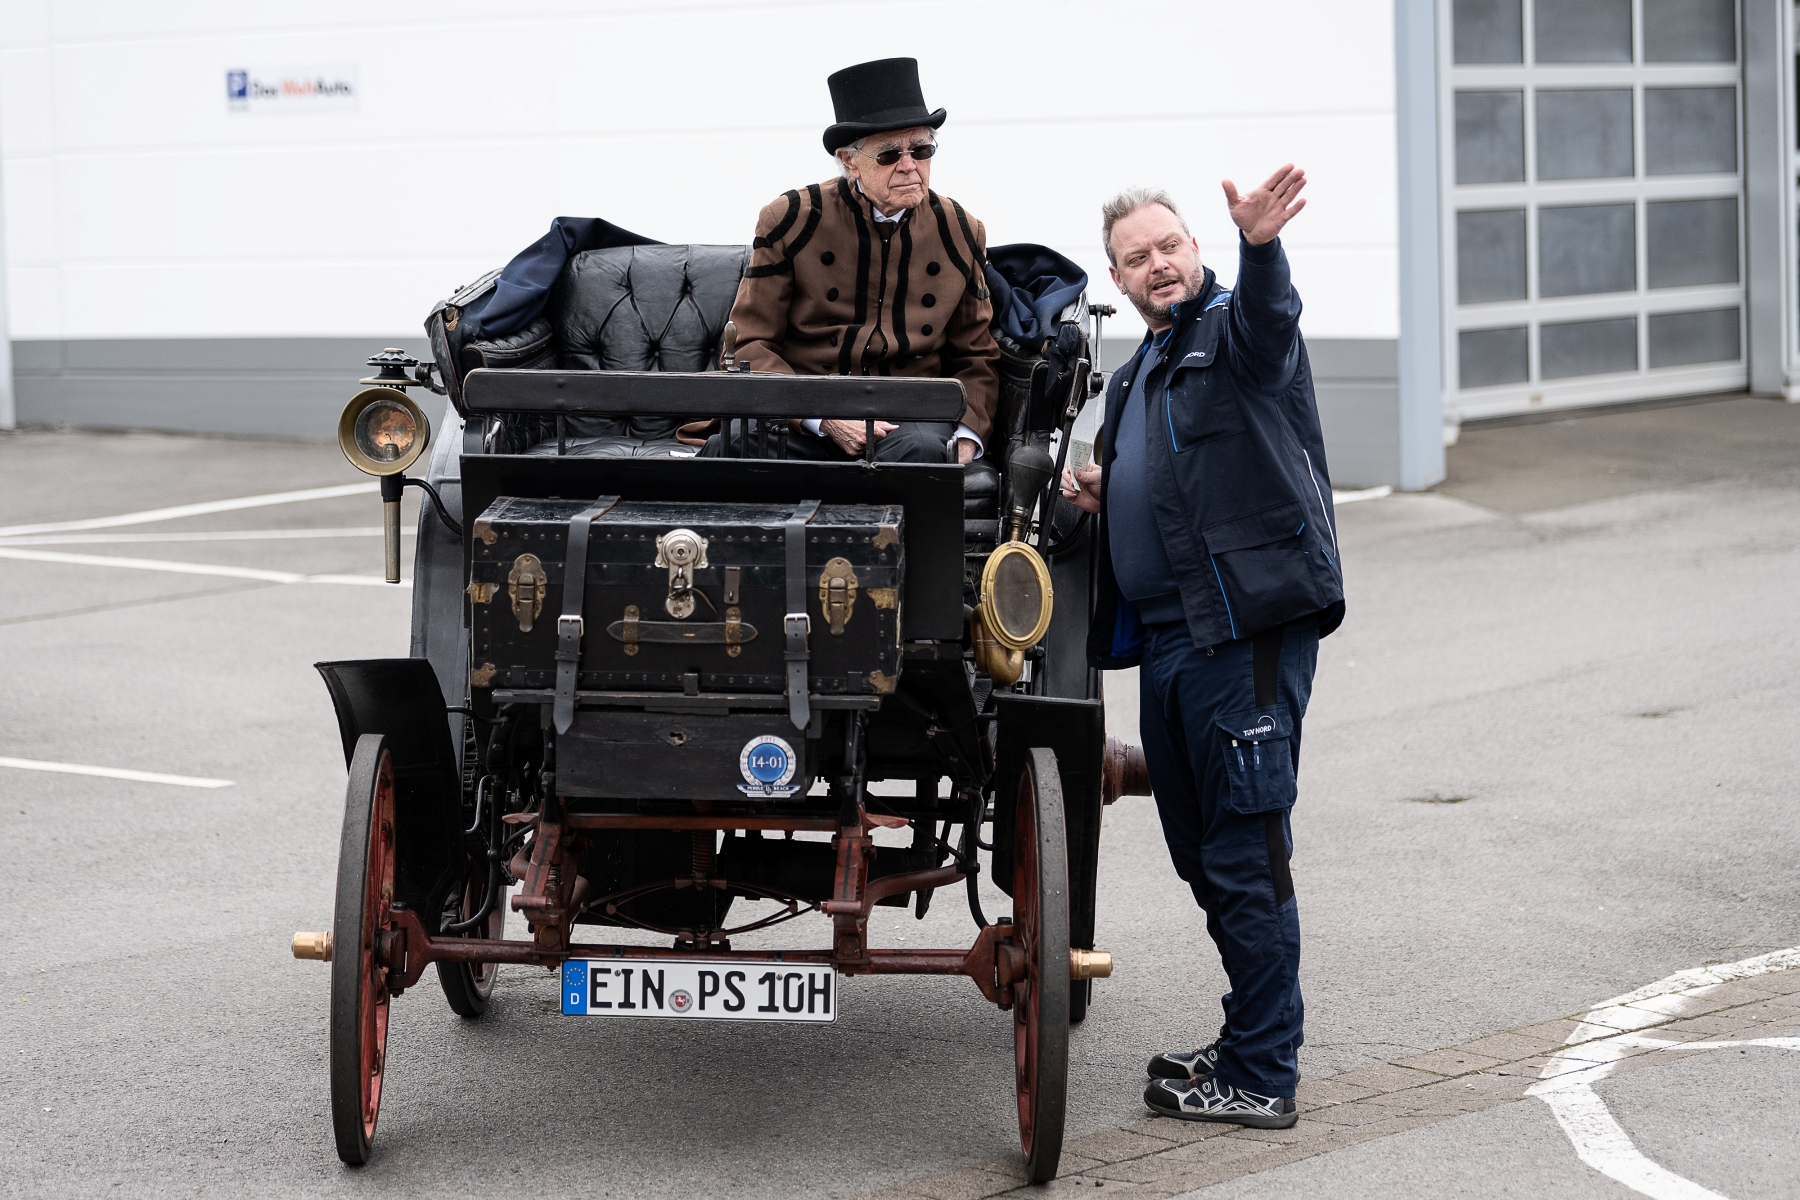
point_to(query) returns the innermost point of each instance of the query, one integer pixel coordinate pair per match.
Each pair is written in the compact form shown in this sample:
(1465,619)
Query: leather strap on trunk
(568,625)
(796,625)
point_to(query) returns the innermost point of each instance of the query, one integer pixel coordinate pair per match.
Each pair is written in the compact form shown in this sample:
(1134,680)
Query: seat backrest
(645,308)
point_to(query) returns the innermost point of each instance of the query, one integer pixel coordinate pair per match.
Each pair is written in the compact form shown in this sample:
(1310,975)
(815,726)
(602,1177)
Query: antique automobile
(637,673)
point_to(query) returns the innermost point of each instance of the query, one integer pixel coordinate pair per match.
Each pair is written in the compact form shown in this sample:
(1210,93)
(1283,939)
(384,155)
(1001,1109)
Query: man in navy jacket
(1218,576)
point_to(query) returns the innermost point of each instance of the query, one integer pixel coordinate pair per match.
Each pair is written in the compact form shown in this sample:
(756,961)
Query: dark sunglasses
(888,158)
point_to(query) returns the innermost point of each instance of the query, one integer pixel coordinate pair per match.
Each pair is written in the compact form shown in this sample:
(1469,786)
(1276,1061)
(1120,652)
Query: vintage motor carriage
(636,674)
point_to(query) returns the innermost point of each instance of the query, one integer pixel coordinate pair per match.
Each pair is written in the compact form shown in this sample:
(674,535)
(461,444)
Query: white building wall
(138,207)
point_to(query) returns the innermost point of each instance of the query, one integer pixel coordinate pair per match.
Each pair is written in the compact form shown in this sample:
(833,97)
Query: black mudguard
(1076,730)
(400,697)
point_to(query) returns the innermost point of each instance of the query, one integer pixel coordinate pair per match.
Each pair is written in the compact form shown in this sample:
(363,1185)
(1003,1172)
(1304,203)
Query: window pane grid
(1631,191)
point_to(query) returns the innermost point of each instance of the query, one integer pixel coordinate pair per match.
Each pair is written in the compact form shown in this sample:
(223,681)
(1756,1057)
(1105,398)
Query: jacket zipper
(1169,417)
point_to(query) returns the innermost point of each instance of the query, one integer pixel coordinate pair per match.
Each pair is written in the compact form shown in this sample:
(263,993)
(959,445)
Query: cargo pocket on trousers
(1259,766)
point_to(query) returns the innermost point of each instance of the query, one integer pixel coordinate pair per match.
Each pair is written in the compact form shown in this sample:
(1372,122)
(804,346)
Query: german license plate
(699,990)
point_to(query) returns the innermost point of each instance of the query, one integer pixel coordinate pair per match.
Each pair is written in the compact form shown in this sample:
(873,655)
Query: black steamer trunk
(683,663)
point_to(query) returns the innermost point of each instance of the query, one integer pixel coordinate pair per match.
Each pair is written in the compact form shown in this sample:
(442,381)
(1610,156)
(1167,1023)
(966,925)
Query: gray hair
(1128,202)
(838,157)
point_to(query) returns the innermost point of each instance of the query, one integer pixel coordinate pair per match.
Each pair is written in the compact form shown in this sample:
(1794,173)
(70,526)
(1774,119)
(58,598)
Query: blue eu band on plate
(735,990)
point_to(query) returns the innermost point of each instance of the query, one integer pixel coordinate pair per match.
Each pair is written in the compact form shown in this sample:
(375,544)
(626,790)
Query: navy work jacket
(1237,469)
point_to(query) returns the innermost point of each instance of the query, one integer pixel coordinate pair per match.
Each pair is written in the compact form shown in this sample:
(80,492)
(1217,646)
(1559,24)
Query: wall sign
(292,91)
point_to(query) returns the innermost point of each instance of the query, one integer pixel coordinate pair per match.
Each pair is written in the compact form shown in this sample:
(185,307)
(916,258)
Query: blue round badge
(768,765)
(767,762)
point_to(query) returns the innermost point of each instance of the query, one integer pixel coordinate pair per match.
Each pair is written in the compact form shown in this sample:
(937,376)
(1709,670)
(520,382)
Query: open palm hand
(1262,212)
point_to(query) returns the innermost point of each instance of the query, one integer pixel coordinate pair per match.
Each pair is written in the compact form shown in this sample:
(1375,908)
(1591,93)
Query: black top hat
(874,97)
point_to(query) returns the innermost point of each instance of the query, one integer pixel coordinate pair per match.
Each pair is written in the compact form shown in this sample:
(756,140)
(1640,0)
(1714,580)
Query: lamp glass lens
(385,431)
(1017,601)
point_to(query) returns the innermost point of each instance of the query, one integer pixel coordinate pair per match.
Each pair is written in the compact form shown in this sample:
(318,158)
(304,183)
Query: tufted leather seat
(642,308)
(645,308)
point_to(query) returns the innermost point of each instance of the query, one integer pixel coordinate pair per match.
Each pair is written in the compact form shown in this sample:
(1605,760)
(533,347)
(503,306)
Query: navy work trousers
(1223,768)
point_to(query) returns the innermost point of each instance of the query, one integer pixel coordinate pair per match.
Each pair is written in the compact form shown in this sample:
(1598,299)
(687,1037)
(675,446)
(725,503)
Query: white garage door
(1593,201)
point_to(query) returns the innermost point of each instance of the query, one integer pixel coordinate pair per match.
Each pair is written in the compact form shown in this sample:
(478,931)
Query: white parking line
(222,535)
(1351,497)
(1610,1033)
(182,568)
(193,510)
(31,764)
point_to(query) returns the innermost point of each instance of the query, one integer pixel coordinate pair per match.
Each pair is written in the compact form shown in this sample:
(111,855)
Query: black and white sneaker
(1206,1099)
(1186,1064)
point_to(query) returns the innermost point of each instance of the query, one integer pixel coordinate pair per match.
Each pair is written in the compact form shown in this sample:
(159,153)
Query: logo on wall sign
(291,90)
(768,764)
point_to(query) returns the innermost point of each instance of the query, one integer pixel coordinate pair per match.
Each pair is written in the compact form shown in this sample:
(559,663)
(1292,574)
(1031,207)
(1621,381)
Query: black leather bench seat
(647,308)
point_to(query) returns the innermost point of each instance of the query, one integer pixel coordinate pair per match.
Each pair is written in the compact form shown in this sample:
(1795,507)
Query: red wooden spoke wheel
(359,995)
(1041,931)
(468,986)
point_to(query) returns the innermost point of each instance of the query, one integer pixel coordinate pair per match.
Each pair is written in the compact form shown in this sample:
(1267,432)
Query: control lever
(728,347)
(1079,394)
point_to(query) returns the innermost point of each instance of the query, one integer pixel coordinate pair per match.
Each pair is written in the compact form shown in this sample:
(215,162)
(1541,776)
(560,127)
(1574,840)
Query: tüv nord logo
(291,90)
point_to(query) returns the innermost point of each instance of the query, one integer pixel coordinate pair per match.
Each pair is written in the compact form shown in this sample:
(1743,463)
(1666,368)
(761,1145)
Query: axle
(989,962)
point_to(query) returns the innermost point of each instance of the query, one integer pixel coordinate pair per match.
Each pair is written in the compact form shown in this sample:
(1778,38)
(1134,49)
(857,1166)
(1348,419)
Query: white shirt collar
(879,215)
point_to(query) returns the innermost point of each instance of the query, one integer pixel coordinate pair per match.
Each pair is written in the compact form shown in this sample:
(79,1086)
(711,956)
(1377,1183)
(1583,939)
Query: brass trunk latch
(682,551)
(837,592)
(525,587)
(630,633)
(734,631)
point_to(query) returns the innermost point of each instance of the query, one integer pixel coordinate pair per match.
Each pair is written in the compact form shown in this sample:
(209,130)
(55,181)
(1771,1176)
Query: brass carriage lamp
(382,432)
(1014,610)
(1016,599)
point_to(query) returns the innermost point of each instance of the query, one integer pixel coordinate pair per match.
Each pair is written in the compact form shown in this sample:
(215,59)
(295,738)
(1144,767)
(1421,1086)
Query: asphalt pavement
(1549,760)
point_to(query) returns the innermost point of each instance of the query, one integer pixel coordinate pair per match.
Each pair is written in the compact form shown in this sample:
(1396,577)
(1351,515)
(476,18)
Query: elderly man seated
(873,273)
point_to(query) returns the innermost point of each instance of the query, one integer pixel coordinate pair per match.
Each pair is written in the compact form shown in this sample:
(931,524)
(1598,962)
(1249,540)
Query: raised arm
(1265,309)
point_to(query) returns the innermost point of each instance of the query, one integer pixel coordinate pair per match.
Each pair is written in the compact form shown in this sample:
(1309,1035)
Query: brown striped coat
(832,291)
